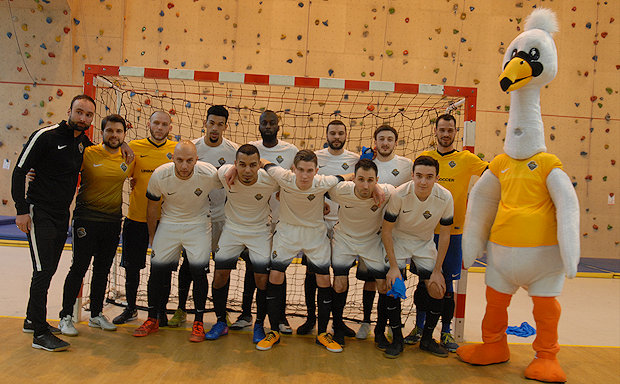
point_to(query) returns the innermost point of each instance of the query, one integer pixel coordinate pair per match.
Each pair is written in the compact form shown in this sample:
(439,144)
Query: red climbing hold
(170,5)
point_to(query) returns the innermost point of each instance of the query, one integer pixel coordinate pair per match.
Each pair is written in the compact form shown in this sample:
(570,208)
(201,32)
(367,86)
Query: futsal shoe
(198,332)
(346,331)
(447,341)
(269,341)
(381,342)
(101,322)
(219,329)
(242,322)
(179,317)
(285,328)
(258,334)
(28,327)
(414,337)
(307,327)
(49,342)
(394,349)
(67,327)
(128,314)
(363,332)
(163,319)
(151,325)
(326,340)
(434,348)
(339,335)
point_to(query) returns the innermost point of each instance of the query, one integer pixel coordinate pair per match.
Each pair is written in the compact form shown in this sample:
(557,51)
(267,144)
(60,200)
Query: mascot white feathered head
(530,62)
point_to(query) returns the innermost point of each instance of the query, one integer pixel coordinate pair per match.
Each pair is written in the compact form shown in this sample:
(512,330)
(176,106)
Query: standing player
(333,160)
(216,150)
(281,153)
(394,170)
(357,234)
(151,152)
(248,225)
(96,223)
(183,187)
(410,219)
(457,168)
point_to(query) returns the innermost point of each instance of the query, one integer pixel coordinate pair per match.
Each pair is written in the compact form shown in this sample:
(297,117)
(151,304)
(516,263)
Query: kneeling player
(357,233)
(248,224)
(183,186)
(410,219)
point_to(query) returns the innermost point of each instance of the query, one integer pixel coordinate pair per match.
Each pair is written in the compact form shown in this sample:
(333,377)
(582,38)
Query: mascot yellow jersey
(148,156)
(526,214)
(455,170)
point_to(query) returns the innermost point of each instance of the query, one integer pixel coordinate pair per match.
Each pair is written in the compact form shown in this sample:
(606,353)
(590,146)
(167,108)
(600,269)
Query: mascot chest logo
(427,215)
(345,166)
(452,164)
(198,192)
(395,172)
(222,161)
(532,165)
(258,196)
(374,208)
(169,156)
(279,159)
(311,197)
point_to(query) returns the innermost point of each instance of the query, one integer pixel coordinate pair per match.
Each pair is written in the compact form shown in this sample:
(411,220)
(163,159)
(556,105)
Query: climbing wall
(46,44)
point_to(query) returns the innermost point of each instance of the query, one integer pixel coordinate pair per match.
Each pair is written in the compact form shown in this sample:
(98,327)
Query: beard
(443,143)
(335,146)
(112,146)
(77,127)
(269,137)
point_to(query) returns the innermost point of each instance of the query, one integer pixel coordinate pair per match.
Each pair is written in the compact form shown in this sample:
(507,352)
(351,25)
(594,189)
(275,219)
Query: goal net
(304,106)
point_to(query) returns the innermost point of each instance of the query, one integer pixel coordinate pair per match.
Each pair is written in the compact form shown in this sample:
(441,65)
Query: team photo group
(264,204)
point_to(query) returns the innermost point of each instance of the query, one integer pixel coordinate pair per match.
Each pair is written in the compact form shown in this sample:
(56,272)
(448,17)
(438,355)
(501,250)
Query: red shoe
(151,325)
(198,332)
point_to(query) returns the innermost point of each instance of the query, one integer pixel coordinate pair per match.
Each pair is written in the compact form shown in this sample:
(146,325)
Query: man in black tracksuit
(55,154)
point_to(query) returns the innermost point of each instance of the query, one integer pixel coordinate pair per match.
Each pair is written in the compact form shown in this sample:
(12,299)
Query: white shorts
(289,240)
(216,232)
(346,250)
(171,238)
(539,270)
(422,253)
(233,242)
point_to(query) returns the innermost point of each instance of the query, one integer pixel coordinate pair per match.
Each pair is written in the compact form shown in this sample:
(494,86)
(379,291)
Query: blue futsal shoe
(219,329)
(259,333)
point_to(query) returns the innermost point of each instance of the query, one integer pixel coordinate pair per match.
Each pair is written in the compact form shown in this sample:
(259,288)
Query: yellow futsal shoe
(269,341)
(325,339)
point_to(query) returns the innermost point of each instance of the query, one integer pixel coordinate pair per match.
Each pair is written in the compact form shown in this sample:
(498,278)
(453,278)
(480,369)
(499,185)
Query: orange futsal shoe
(151,325)
(198,332)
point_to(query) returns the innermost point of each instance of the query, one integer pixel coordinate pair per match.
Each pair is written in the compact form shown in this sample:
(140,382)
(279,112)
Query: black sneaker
(128,314)
(394,350)
(29,327)
(381,342)
(307,327)
(348,332)
(433,347)
(163,319)
(339,336)
(49,342)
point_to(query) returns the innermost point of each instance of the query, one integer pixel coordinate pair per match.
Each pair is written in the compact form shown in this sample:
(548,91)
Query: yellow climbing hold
(57,39)
(25,27)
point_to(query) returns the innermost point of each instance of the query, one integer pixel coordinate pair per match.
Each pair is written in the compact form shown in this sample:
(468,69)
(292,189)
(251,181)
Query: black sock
(201,289)
(310,295)
(447,312)
(283,300)
(249,285)
(165,291)
(155,288)
(368,299)
(381,313)
(339,301)
(432,317)
(261,305)
(325,304)
(132,281)
(220,297)
(274,301)
(185,280)
(393,315)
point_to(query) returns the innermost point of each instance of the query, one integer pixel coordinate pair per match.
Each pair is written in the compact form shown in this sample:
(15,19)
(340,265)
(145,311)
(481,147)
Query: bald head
(184,158)
(159,126)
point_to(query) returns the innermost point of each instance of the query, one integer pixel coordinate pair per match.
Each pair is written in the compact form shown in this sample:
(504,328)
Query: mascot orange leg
(495,345)
(545,366)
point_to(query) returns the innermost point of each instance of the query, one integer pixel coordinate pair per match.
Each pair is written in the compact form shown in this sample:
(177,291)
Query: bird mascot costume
(524,212)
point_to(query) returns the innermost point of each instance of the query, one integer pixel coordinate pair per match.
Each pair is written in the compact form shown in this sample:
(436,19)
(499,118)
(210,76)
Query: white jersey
(415,219)
(335,165)
(297,207)
(396,171)
(247,206)
(224,153)
(183,201)
(359,219)
(281,154)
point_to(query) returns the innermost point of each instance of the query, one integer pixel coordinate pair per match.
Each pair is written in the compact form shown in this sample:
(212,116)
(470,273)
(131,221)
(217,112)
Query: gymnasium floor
(589,333)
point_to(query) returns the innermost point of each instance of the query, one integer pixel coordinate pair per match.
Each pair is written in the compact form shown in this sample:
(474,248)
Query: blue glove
(398,290)
(524,330)
(367,153)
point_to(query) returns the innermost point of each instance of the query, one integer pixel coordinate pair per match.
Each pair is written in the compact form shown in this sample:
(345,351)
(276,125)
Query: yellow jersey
(148,156)
(100,196)
(526,215)
(455,171)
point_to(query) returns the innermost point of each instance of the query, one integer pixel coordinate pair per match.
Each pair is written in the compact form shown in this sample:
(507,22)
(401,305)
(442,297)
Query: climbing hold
(76,21)
(289,61)
(389,52)
(604,178)
(588,25)
(476,81)
(160,29)
(166,61)
(463,39)
(147,101)
(552,136)
(330,72)
(282,36)
(171,5)
(167,47)
(172,111)
(463,16)
(188,105)
(298,37)
(583,153)
(593,98)
(142,53)
(59,92)
(406,19)
(363,74)
(325,23)
(25,113)
(455,31)
(595,58)
(108,48)
(609,90)
(183,63)
(370,107)
(573,9)
(66,29)
(57,39)
(26,96)
(405,52)
(583,138)
(43,46)
(372,74)
(76,48)
(391,10)
(300,4)
(317,22)
(161,13)
(436,70)
(9,35)
(573,25)
(48,20)
(595,227)
(51,54)
(588,177)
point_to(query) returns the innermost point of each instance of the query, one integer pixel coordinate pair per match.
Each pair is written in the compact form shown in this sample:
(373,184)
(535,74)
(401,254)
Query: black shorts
(135,244)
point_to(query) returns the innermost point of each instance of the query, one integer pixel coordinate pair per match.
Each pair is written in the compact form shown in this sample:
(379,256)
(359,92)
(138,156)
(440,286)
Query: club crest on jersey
(311,197)
(345,166)
(274,254)
(81,232)
(258,196)
(169,155)
(124,167)
(279,159)
(452,164)
(374,207)
(81,147)
(427,215)
(222,161)
(198,192)
(395,172)
(532,165)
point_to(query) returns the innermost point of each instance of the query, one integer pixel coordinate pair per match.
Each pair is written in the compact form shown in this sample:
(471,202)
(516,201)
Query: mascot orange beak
(517,73)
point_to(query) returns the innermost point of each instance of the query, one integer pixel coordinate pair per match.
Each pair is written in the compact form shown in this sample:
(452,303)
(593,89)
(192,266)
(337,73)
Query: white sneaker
(66,326)
(363,332)
(101,322)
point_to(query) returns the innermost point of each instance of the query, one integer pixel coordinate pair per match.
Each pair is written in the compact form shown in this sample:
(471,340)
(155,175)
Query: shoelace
(197,328)
(328,337)
(270,336)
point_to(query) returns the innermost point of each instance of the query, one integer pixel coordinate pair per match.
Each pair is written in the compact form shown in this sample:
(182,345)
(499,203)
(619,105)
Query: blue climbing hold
(183,63)
(43,46)
(331,72)
(160,29)
(41,121)
(76,48)
(289,61)
(48,20)
(188,105)
(325,23)
(76,21)
(132,94)
(108,48)
(588,25)
(9,35)
(26,96)
(161,13)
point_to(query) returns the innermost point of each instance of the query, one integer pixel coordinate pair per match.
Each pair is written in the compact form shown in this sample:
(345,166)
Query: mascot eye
(514,53)
(534,54)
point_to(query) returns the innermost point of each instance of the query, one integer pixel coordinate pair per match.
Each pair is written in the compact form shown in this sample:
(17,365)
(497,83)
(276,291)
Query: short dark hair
(366,164)
(247,149)
(218,110)
(447,117)
(385,127)
(426,160)
(82,97)
(335,122)
(305,155)
(114,118)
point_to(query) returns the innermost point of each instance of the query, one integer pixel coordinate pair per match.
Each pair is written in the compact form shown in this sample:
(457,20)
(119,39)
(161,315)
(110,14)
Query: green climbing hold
(391,10)
(389,52)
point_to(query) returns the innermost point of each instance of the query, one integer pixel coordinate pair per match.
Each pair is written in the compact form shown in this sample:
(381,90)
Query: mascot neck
(525,135)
